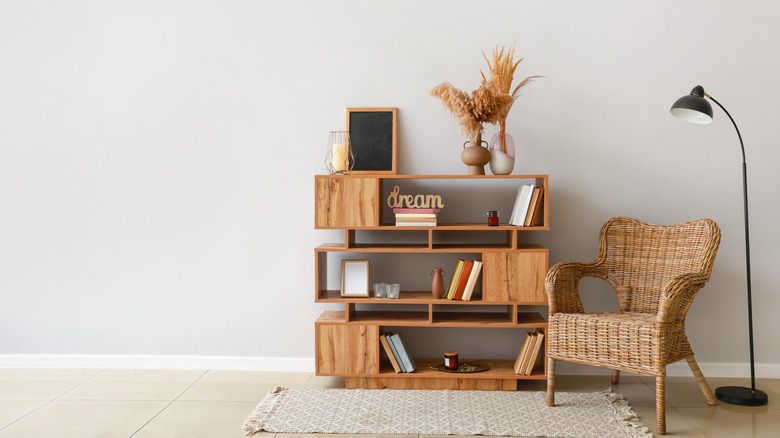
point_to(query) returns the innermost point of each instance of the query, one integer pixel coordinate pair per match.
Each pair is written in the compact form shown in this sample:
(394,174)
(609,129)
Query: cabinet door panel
(347,348)
(514,276)
(346,202)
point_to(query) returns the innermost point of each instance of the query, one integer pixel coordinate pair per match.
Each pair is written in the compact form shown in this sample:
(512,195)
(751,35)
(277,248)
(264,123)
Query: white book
(522,203)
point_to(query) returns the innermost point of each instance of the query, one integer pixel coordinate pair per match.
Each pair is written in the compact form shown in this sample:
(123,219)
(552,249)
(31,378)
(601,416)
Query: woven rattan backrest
(645,256)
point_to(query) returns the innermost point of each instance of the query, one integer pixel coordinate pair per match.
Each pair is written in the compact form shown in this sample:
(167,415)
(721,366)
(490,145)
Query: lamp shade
(693,108)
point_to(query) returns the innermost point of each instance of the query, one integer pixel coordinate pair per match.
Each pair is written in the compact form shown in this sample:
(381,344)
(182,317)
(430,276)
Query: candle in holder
(451,360)
(339,157)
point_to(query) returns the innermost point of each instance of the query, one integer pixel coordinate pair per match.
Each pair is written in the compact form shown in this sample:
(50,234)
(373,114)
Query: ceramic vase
(475,156)
(437,284)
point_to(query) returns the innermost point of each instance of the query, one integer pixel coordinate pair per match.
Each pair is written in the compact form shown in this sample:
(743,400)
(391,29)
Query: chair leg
(705,388)
(615,377)
(660,405)
(550,382)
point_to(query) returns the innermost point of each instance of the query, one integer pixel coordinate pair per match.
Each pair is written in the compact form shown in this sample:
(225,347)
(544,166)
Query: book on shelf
(418,216)
(415,219)
(454,279)
(522,201)
(518,367)
(535,358)
(389,351)
(415,224)
(462,280)
(473,277)
(529,356)
(534,207)
(404,358)
(416,210)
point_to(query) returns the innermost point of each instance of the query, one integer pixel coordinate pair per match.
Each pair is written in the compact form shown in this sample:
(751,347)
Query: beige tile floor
(88,403)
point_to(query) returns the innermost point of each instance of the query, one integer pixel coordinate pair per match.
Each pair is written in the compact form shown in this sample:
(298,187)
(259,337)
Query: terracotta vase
(475,156)
(437,284)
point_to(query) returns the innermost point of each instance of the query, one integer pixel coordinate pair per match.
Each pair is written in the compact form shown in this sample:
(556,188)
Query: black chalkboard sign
(373,134)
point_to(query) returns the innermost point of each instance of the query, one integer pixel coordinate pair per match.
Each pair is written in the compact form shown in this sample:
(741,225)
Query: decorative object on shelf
(484,105)
(374,134)
(502,72)
(393,291)
(695,108)
(451,360)
(437,284)
(396,200)
(501,161)
(492,218)
(380,290)
(339,159)
(354,278)
(462,368)
(475,157)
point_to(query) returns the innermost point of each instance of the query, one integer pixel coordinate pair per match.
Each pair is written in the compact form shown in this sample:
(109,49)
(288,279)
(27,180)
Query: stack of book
(416,217)
(529,357)
(464,279)
(399,357)
(527,207)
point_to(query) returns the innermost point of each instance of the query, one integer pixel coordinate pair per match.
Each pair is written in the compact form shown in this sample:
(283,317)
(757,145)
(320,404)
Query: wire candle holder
(339,159)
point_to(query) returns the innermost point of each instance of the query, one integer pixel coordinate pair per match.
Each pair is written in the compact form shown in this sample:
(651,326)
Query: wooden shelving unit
(347,342)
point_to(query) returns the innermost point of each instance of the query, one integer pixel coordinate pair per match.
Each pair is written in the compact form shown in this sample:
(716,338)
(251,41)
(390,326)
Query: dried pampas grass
(484,105)
(502,73)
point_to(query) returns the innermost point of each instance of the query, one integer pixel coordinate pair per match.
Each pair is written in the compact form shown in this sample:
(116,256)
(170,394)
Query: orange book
(537,209)
(389,351)
(463,280)
(535,196)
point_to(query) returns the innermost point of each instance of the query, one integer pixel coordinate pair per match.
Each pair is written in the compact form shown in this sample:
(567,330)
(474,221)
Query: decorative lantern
(339,159)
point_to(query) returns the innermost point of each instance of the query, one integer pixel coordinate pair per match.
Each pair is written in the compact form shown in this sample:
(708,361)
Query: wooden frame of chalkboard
(373,134)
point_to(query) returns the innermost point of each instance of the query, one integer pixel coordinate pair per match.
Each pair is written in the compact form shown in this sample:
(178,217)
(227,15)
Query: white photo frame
(354,278)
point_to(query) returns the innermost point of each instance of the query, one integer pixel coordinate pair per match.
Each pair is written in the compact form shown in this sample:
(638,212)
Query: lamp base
(738,395)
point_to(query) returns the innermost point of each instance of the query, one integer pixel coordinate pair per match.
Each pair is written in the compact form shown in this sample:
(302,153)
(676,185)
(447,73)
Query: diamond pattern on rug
(443,412)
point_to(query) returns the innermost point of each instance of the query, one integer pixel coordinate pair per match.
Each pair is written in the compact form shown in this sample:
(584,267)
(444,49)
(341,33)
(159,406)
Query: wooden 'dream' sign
(373,135)
(396,200)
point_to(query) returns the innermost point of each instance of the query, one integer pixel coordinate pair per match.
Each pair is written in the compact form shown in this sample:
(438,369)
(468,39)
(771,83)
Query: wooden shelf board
(394,318)
(406,297)
(388,176)
(472,319)
(499,369)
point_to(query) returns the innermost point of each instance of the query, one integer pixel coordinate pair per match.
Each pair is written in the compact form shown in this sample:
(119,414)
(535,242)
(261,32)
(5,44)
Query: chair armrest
(677,296)
(562,285)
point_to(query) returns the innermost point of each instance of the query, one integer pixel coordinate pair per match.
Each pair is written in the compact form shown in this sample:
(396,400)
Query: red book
(416,210)
(463,280)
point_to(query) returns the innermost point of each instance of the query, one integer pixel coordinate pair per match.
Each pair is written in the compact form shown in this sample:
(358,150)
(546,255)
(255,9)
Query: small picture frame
(354,278)
(373,135)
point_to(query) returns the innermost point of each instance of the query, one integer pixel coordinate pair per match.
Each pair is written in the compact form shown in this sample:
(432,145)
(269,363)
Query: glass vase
(502,152)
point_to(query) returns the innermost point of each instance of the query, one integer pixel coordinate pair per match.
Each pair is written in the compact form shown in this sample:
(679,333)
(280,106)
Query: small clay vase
(475,156)
(437,284)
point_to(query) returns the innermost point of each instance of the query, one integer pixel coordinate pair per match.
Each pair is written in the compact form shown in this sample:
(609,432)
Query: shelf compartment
(499,369)
(472,319)
(392,317)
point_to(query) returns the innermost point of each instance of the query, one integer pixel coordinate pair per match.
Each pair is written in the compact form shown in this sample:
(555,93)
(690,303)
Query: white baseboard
(158,362)
(681,369)
(297,364)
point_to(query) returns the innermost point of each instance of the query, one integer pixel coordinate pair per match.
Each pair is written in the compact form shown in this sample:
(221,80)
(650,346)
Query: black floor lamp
(695,108)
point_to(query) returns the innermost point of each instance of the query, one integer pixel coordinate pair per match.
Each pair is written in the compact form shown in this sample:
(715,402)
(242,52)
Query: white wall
(157,157)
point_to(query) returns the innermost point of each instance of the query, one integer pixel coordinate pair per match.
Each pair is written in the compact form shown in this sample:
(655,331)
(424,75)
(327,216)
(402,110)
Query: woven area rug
(441,412)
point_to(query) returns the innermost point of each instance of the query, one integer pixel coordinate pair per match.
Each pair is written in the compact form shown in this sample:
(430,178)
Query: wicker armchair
(656,272)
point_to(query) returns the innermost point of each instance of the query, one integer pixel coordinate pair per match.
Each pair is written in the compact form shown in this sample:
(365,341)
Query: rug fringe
(254,423)
(626,414)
